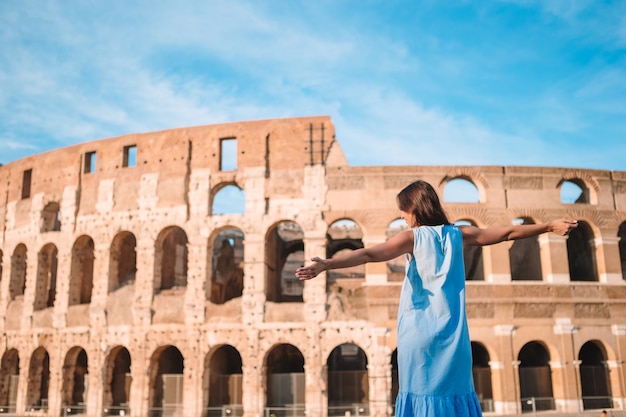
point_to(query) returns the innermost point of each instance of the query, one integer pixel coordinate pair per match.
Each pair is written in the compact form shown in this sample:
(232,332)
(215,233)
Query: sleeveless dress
(434,349)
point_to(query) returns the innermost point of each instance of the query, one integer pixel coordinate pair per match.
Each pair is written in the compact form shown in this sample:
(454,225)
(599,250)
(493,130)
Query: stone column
(315,385)
(505,379)
(140,374)
(55,386)
(618,370)
(100,292)
(314,292)
(554,261)
(61,296)
(144,285)
(379,373)
(253,297)
(195,294)
(566,372)
(496,262)
(28,306)
(253,388)
(193,372)
(5,279)
(608,259)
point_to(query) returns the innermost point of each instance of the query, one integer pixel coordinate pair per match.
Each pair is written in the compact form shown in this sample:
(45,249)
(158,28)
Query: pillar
(554,261)
(505,374)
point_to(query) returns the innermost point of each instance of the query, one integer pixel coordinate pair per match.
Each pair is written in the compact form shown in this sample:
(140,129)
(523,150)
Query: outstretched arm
(475,236)
(399,244)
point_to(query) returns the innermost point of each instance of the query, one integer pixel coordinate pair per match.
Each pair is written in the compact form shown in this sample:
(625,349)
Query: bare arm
(399,244)
(475,236)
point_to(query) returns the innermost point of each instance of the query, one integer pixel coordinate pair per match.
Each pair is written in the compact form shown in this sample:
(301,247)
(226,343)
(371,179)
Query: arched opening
(524,256)
(123,261)
(472,257)
(284,253)
(223,383)
(45,291)
(74,390)
(594,377)
(535,378)
(17,285)
(285,380)
(226,266)
(9,377)
(395,382)
(344,236)
(117,382)
(481,371)
(348,382)
(581,253)
(395,267)
(51,218)
(574,191)
(461,190)
(38,380)
(622,247)
(171,259)
(166,382)
(81,275)
(229,200)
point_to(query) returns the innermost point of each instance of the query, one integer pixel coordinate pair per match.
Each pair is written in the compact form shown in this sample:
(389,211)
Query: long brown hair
(421,199)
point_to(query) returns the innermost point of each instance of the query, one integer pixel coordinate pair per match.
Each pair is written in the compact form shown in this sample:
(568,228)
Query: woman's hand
(313,270)
(562,227)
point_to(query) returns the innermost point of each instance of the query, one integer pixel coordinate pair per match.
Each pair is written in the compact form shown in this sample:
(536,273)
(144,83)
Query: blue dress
(434,349)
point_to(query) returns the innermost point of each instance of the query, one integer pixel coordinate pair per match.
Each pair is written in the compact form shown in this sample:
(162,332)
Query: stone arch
(348,381)
(472,257)
(344,235)
(123,260)
(166,381)
(51,218)
(476,178)
(395,267)
(525,256)
(227,198)
(284,376)
(621,233)
(481,372)
(74,386)
(17,284)
(460,190)
(535,377)
(38,380)
(9,378)
(581,253)
(594,376)
(225,269)
(117,382)
(81,274)
(171,259)
(45,290)
(284,253)
(222,379)
(587,183)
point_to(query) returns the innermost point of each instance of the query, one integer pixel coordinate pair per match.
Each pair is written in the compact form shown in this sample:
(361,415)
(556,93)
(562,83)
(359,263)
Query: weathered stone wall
(289,171)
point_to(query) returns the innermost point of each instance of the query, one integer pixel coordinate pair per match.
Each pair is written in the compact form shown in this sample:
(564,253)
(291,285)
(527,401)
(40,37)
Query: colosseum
(153,275)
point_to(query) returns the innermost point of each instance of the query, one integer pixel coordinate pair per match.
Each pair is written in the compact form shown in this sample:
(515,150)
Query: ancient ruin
(153,275)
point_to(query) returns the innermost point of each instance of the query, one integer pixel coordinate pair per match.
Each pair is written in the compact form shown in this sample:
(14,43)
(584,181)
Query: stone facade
(127,289)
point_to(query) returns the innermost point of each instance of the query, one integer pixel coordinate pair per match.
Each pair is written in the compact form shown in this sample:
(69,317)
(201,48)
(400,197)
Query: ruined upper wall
(165,161)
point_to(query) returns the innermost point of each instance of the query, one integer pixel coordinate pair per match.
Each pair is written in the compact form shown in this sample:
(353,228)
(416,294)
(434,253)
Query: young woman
(434,350)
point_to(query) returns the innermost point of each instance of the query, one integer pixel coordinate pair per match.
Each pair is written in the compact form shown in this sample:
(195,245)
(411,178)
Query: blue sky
(515,82)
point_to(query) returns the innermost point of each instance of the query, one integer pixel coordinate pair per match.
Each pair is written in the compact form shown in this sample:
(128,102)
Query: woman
(434,349)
